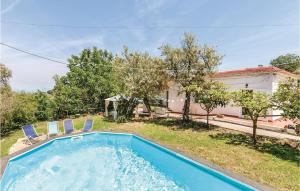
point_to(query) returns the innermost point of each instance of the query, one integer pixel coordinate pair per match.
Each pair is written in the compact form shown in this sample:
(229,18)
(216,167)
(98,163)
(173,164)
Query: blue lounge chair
(30,133)
(68,126)
(88,125)
(52,128)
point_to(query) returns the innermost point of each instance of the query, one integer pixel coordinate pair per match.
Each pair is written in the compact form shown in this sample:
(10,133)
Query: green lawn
(268,163)
(41,127)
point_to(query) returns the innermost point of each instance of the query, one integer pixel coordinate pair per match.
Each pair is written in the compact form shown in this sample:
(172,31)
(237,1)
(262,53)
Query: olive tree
(189,65)
(288,62)
(210,95)
(256,104)
(6,93)
(287,99)
(140,75)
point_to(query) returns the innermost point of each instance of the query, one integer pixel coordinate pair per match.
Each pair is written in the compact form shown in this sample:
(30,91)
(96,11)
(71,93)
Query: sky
(247,32)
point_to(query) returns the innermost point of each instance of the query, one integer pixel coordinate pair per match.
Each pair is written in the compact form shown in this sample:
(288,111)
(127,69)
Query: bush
(126,107)
(23,112)
(45,106)
(121,119)
(297,128)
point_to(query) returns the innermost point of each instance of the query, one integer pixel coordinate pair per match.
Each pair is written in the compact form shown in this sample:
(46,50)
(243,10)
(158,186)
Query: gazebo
(114,100)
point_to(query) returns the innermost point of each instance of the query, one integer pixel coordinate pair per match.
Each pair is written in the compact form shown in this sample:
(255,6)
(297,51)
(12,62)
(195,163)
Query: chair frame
(91,127)
(58,131)
(29,137)
(65,128)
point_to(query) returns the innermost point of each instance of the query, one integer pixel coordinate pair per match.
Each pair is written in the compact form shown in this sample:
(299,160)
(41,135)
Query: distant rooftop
(259,69)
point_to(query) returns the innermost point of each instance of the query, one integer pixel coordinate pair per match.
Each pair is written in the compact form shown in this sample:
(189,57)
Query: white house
(261,78)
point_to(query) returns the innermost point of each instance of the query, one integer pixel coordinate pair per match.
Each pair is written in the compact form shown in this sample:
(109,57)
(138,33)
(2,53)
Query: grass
(41,128)
(268,163)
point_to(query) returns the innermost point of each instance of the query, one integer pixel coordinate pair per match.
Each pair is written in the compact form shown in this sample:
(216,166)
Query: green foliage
(297,128)
(287,98)
(23,112)
(189,65)
(210,95)
(141,76)
(126,107)
(5,92)
(6,98)
(67,98)
(45,106)
(5,75)
(121,119)
(256,105)
(288,62)
(89,81)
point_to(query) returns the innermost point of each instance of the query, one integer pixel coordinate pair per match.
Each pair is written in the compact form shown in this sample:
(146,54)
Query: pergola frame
(114,100)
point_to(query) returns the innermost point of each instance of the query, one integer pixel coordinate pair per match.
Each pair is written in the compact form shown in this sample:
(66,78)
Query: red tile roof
(260,69)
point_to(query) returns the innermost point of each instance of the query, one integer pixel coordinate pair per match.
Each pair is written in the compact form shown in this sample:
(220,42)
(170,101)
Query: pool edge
(235,177)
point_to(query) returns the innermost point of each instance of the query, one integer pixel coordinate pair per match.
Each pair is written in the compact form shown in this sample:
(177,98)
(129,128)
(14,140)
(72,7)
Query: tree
(189,65)
(45,106)
(141,76)
(288,62)
(287,99)
(67,97)
(210,95)
(256,104)
(126,106)
(5,75)
(22,112)
(6,95)
(90,80)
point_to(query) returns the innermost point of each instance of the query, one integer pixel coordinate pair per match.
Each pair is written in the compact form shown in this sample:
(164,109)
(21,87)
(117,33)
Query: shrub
(23,112)
(297,128)
(45,106)
(121,119)
(126,107)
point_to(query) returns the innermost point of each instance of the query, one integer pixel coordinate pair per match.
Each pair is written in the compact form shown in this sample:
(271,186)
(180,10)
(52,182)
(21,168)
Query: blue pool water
(106,161)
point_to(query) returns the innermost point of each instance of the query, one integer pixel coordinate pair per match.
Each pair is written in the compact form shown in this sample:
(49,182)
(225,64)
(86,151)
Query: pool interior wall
(185,172)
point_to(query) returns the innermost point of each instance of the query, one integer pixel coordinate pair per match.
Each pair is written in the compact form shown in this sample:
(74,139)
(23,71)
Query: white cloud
(10,6)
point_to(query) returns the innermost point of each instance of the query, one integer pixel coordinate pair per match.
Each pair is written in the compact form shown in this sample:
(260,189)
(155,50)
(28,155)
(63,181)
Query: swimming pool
(110,161)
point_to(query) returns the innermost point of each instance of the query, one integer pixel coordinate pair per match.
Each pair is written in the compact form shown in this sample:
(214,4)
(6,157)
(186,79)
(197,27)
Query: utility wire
(150,27)
(33,54)
(65,63)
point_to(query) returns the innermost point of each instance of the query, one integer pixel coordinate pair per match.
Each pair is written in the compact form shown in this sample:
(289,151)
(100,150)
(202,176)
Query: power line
(151,27)
(65,63)
(60,62)
(33,54)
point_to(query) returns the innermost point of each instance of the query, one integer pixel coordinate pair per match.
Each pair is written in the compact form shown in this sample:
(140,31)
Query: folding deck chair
(88,125)
(30,133)
(68,126)
(52,128)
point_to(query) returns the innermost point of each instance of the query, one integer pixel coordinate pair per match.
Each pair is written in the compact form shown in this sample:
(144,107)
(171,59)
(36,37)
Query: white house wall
(277,78)
(257,82)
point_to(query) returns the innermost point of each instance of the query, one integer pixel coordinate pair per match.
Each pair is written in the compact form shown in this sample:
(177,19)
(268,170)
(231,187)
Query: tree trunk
(254,131)
(207,119)
(148,106)
(186,107)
